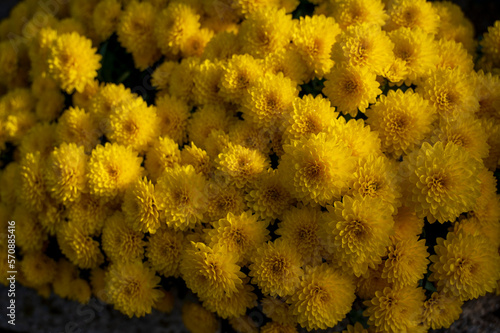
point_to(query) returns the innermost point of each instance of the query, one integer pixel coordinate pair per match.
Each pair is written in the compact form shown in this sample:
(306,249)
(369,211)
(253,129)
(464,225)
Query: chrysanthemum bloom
(221,47)
(289,62)
(366,46)
(11,66)
(489,44)
(135,32)
(196,157)
(351,88)
(161,76)
(224,199)
(412,14)
(465,131)
(239,74)
(418,51)
(234,305)
(72,61)
(30,235)
(65,173)
(488,95)
(211,272)
(265,31)
(32,190)
(164,250)
(357,232)
(207,78)
(172,116)
(278,310)
(197,319)
(441,181)
(465,266)
(357,136)
(323,298)
(317,169)
(49,105)
(78,246)
(195,44)
(441,310)
(269,100)
(368,284)
(376,177)
(241,234)
(78,127)
(173,25)
(133,125)
(313,38)
(453,55)
(89,212)
(276,268)
(407,224)
(38,268)
(250,135)
(132,288)
(119,241)
(112,168)
(241,165)
(300,227)
(181,81)
(268,197)
(161,155)
(406,262)
(40,137)
(181,195)
(354,12)
(395,310)
(206,119)
(105,17)
(310,115)
(140,208)
(402,120)
(455,26)
(451,91)
(52,216)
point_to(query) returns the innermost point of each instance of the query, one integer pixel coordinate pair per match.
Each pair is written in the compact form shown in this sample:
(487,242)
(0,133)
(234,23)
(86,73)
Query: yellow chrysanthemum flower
(357,232)
(289,62)
(351,88)
(265,31)
(112,169)
(211,272)
(38,268)
(395,310)
(135,32)
(451,91)
(453,55)
(30,234)
(234,305)
(49,105)
(278,310)
(489,44)
(196,157)
(132,288)
(241,234)
(161,76)
(174,25)
(172,114)
(441,310)
(140,208)
(181,80)
(407,224)
(300,227)
(78,246)
(120,242)
(465,266)
(32,190)
(310,115)
(89,212)
(180,193)
(197,319)
(354,12)
(323,298)
(357,136)
(72,62)
(223,199)
(406,262)
(488,95)
(162,154)
(402,120)
(455,26)
(239,74)
(65,173)
(276,268)
(368,284)
(241,165)
(318,169)
(313,38)
(412,14)
(78,127)
(366,46)
(164,249)
(441,181)
(417,50)
(206,119)
(195,44)
(221,47)
(207,78)
(250,135)
(105,17)
(40,137)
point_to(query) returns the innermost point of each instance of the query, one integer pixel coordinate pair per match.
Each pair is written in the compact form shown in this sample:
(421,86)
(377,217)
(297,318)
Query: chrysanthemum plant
(330,164)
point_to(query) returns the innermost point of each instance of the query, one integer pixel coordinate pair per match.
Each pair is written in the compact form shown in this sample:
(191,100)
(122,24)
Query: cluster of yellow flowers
(295,164)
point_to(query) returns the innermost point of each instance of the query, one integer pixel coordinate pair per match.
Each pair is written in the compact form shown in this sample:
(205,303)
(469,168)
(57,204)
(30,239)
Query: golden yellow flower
(140,207)
(206,119)
(181,80)
(78,127)
(368,284)
(223,199)
(454,55)
(49,105)
(488,95)
(221,47)
(105,17)
(172,116)
(276,268)
(78,246)
(195,44)
(41,138)
(407,224)
(489,44)
(32,191)
(278,310)
(234,305)
(355,12)
(72,62)
(289,62)
(163,154)
(132,288)
(89,212)
(250,135)
(120,242)
(239,74)
(164,249)
(412,14)
(207,78)
(323,298)
(441,310)
(357,136)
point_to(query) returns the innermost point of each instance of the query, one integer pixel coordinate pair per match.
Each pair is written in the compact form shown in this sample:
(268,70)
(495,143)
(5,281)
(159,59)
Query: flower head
(78,127)
(441,310)
(235,305)
(78,246)
(164,249)
(140,206)
(412,14)
(161,155)
(239,74)
(120,242)
(355,12)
